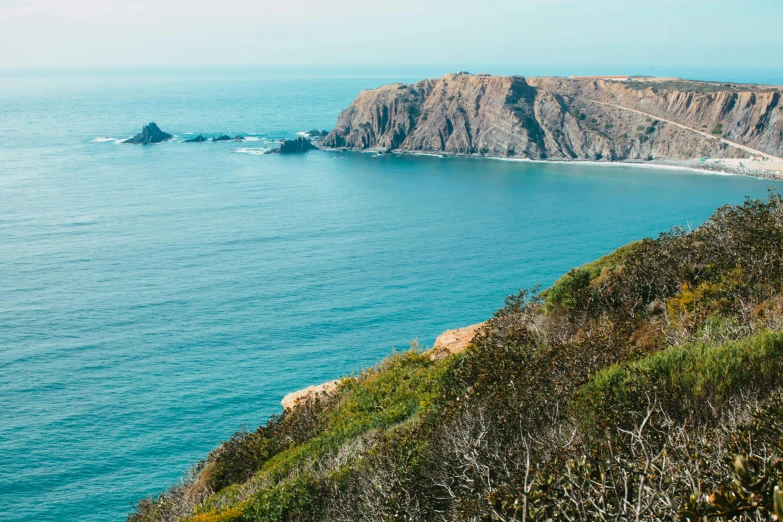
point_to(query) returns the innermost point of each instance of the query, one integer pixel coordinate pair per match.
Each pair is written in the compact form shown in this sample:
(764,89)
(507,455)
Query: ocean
(153,300)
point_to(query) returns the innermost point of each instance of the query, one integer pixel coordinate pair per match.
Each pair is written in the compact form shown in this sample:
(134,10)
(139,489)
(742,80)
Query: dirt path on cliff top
(724,140)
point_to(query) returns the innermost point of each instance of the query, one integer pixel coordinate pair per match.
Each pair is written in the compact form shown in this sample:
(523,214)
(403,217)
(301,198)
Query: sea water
(154,299)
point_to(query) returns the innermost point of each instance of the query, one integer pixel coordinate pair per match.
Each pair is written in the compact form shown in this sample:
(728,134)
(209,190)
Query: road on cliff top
(724,140)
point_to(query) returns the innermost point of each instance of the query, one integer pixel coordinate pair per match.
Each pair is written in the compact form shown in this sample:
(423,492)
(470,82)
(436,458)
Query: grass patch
(692,380)
(560,293)
(403,386)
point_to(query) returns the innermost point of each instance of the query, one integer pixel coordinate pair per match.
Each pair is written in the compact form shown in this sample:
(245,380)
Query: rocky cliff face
(557,118)
(748,115)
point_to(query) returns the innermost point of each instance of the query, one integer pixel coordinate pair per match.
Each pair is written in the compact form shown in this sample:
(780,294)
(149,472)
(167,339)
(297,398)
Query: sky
(129,33)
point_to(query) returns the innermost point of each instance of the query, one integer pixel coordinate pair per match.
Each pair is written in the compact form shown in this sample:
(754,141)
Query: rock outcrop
(315,133)
(448,343)
(226,137)
(563,119)
(454,341)
(149,134)
(299,145)
(198,139)
(311,392)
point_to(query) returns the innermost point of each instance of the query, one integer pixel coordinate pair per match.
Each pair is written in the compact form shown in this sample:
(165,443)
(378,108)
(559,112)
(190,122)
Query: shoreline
(448,343)
(685,165)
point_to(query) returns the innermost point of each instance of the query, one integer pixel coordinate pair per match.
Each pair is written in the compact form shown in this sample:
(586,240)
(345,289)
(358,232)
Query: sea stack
(149,134)
(300,144)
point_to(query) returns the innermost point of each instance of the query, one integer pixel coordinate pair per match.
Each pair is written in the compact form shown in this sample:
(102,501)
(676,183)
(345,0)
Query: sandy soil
(760,163)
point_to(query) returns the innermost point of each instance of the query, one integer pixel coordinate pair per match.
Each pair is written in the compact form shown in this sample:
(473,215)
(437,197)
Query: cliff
(564,119)
(643,386)
(448,343)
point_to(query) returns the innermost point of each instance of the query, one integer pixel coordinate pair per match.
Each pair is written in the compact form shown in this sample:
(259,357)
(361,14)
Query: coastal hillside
(645,385)
(565,119)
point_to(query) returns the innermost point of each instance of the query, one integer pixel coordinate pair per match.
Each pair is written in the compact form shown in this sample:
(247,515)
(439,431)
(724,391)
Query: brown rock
(292,399)
(454,341)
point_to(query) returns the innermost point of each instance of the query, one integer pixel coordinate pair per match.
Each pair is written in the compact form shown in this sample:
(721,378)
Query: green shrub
(615,394)
(690,381)
(559,291)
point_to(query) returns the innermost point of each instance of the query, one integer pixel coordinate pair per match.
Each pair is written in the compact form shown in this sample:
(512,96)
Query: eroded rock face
(556,118)
(299,145)
(149,134)
(751,115)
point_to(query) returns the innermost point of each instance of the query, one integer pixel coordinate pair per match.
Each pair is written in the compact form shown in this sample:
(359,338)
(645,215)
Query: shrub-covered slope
(643,386)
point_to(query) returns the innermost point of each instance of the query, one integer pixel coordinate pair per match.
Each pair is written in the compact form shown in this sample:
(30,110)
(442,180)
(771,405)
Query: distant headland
(725,127)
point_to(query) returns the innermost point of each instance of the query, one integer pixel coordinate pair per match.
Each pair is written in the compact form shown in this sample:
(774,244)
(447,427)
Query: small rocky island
(149,134)
(299,145)
(198,139)
(226,137)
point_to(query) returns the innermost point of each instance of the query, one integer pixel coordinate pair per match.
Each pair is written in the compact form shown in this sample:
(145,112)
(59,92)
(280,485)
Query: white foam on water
(303,133)
(255,152)
(103,140)
(252,138)
(425,154)
(117,142)
(651,165)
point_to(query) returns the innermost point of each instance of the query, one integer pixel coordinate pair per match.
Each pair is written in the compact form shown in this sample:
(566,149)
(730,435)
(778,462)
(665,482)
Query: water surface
(155,299)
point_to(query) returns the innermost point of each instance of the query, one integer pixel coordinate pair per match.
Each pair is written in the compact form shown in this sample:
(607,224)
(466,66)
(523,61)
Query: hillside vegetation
(643,386)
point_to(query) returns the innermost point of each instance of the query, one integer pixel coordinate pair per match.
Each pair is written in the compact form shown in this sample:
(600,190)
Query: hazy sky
(193,32)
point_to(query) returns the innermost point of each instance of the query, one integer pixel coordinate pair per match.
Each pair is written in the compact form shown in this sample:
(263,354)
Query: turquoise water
(155,299)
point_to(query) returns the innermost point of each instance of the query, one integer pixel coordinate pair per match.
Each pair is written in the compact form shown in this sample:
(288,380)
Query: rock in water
(315,133)
(198,139)
(149,134)
(300,144)
(224,137)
